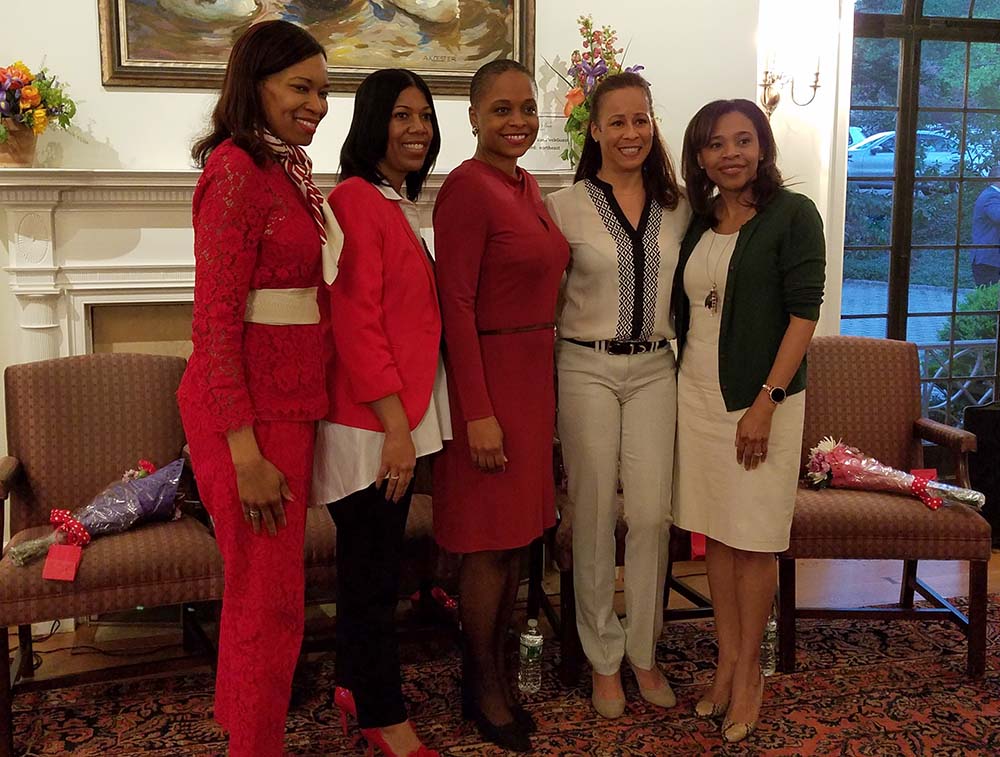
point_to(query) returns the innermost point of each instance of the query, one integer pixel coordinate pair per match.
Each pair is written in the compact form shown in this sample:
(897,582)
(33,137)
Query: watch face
(777,394)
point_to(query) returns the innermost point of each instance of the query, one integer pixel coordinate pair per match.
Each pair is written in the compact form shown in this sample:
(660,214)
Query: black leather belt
(613,347)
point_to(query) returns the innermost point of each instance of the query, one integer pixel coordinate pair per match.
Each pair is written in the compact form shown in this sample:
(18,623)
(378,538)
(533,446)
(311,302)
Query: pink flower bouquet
(840,466)
(143,495)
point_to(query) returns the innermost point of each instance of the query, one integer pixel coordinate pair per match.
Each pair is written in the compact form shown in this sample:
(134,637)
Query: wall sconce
(772,84)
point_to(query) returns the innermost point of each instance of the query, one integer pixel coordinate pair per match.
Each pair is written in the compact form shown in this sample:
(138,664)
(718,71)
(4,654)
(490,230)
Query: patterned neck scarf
(298,167)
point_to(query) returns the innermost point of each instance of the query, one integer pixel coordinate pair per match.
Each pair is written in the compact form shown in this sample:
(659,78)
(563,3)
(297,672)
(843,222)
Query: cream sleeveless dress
(714,495)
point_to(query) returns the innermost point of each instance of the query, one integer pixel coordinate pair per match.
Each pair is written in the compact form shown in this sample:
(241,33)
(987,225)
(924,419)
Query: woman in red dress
(254,385)
(500,259)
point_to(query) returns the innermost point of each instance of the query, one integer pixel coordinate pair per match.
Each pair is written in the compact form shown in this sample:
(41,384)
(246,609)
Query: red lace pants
(263,607)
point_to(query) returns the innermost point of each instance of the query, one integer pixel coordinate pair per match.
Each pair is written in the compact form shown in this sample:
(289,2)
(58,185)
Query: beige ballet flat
(661,696)
(607,708)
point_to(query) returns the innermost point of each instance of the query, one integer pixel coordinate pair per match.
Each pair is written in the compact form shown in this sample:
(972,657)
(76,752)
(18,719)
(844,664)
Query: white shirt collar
(389,193)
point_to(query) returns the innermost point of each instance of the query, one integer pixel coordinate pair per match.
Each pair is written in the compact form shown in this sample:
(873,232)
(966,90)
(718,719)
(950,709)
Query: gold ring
(254,513)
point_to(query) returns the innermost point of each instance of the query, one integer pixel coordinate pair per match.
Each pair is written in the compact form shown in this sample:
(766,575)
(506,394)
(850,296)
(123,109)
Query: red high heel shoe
(343,700)
(375,738)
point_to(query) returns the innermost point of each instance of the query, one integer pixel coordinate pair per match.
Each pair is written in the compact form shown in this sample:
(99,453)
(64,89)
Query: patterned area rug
(863,688)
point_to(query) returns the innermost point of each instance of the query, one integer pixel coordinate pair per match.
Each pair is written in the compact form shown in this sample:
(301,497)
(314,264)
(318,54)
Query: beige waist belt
(282,307)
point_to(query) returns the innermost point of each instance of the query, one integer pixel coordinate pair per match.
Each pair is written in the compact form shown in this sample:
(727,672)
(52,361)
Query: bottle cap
(532,623)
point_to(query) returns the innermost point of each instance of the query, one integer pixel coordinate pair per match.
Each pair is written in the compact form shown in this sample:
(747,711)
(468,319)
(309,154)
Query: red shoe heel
(375,738)
(343,700)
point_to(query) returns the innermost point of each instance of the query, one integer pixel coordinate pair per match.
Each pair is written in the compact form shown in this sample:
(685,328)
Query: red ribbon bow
(76,534)
(919,489)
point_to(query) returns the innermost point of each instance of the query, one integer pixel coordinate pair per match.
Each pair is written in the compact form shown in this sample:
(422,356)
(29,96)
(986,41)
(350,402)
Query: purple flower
(5,108)
(591,72)
(634,69)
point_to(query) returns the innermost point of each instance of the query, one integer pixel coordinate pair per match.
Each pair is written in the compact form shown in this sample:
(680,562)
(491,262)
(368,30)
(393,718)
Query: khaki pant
(617,417)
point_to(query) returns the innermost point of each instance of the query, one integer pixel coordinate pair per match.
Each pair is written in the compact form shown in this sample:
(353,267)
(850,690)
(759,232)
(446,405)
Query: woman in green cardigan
(747,293)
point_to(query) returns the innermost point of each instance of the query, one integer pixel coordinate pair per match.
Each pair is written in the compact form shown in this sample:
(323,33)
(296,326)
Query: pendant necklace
(712,298)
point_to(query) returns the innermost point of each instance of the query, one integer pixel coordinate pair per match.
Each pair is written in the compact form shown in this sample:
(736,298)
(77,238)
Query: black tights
(488,583)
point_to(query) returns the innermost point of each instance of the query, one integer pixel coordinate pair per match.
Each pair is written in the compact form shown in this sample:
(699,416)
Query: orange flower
(573,98)
(20,73)
(30,97)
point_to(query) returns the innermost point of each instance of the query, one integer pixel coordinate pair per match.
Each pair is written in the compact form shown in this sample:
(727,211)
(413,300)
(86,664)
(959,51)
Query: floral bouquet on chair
(840,466)
(143,495)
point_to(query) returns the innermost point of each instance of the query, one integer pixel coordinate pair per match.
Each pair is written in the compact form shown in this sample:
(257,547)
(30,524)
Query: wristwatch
(775,393)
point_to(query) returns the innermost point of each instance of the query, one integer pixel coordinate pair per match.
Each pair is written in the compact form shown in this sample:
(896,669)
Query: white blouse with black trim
(619,278)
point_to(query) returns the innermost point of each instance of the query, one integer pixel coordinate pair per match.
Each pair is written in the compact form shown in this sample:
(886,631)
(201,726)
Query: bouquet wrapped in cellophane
(143,495)
(833,463)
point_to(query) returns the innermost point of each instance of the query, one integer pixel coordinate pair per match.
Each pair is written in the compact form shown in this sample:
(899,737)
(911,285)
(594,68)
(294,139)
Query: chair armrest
(956,439)
(10,469)
(959,441)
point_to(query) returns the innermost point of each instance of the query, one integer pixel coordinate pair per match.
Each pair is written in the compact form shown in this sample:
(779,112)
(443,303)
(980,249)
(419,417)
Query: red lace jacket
(252,230)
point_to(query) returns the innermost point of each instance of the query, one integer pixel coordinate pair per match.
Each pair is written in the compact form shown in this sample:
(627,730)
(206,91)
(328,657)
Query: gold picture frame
(185,43)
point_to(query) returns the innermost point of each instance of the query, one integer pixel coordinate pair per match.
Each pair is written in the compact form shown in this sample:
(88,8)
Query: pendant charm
(712,301)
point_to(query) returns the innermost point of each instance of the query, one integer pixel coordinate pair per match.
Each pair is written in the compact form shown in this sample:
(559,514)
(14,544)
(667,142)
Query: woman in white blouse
(624,219)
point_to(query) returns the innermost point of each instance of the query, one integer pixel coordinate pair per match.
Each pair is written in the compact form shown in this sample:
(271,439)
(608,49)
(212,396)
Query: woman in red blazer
(388,402)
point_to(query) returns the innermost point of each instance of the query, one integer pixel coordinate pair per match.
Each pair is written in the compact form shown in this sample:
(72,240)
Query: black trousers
(369,546)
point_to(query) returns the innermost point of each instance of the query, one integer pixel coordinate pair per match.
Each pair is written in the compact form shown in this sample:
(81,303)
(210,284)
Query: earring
(475,131)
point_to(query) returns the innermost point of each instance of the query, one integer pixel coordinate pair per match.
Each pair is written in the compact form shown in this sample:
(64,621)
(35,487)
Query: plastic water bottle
(769,645)
(529,673)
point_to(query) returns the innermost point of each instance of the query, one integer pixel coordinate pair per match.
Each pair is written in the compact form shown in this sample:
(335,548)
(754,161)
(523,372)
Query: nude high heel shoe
(661,696)
(734,732)
(607,708)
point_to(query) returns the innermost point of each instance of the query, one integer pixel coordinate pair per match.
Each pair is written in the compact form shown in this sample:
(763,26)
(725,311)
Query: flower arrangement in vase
(598,59)
(29,104)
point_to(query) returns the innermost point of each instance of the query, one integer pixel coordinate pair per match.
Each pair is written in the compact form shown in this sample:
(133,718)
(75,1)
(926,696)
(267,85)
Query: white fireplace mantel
(79,238)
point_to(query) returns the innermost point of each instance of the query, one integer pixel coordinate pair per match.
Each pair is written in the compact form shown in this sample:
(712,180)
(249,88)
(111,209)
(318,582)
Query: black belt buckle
(626,348)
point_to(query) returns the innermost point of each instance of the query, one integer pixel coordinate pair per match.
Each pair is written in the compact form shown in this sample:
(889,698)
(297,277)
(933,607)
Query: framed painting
(185,43)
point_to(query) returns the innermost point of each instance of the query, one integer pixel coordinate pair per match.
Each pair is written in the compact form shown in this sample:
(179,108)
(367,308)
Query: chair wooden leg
(909,580)
(6,699)
(536,569)
(786,614)
(977,617)
(569,638)
(666,583)
(26,646)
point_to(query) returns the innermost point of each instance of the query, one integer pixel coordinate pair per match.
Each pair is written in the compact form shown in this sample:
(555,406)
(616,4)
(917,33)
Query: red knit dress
(499,261)
(253,231)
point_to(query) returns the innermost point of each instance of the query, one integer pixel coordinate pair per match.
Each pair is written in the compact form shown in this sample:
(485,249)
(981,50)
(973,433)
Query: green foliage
(980,299)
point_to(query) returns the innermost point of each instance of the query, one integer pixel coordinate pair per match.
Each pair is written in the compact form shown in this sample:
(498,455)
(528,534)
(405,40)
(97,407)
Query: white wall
(678,42)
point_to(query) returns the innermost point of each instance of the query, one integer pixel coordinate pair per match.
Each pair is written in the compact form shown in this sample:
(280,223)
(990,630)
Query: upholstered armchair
(73,426)
(867,393)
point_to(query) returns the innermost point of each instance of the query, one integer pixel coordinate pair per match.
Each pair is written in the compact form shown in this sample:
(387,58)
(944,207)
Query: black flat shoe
(508,735)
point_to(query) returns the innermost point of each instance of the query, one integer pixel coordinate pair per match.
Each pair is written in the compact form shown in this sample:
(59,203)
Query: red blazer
(384,312)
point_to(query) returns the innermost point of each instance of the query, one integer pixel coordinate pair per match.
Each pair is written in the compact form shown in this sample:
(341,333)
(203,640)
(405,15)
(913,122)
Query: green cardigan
(777,270)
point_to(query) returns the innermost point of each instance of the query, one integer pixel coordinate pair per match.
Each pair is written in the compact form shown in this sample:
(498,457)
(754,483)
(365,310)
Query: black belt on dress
(613,347)
(518,329)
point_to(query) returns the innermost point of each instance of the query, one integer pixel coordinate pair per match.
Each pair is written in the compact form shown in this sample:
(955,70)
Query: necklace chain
(712,299)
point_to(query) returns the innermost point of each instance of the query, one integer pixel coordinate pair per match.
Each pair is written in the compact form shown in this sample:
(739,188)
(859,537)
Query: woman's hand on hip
(752,433)
(399,458)
(262,489)
(486,444)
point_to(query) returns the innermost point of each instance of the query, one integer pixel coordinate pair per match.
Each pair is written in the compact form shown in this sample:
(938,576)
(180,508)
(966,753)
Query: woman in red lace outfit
(500,258)
(254,386)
